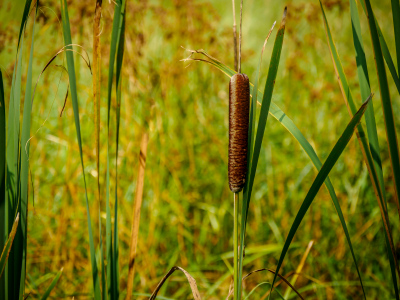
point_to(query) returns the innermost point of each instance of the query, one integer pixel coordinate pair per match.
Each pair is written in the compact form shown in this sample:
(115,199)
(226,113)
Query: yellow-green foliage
(186,216)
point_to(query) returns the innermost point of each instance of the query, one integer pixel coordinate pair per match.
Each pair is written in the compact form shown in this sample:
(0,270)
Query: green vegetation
(78,93)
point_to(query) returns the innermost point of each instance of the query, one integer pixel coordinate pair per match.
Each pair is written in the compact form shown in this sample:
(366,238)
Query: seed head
(239,102)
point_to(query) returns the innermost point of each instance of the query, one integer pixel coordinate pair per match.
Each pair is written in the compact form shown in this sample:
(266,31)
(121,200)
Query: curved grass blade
(7,247)
(319,180)
(52,285)
(74,97)
(363,77)
(391,135)
(260,284)
(191,280)
(273,272)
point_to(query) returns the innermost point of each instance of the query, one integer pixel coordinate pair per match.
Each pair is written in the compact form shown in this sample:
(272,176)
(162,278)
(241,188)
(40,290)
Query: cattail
(239,103)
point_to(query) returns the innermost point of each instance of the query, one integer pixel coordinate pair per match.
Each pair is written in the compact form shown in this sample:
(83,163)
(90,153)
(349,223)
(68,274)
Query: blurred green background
(187,212)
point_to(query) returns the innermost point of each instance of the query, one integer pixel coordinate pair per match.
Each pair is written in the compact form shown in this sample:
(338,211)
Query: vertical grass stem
(235,245)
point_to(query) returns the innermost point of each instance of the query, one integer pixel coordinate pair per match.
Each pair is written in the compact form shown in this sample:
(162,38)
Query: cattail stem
(235,51)
(236,280)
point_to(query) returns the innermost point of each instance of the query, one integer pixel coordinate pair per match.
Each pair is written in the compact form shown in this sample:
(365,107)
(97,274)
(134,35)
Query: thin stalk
(235,245)
(235,53)
(240,38)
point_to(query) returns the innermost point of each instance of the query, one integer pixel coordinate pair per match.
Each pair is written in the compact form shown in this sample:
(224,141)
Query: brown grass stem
(136,213)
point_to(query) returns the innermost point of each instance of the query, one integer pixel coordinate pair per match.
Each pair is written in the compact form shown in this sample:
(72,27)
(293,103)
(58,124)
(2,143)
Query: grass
(186,213)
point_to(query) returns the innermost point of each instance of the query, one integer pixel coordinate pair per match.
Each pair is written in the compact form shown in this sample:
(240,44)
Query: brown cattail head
(239,103)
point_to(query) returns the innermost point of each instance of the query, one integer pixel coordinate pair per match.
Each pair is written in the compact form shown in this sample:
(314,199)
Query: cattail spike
(239,103)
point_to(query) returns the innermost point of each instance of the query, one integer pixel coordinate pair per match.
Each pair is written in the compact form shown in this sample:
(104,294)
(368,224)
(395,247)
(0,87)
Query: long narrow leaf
(52,285)
(13,267)
(119,60)
(265,107)
(319,180)
(373,162)
(113,50)
(386,104)
(26,129)
(74,97)
(362,71)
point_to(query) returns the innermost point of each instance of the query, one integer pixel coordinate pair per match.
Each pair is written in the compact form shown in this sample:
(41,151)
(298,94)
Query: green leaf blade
(319,180)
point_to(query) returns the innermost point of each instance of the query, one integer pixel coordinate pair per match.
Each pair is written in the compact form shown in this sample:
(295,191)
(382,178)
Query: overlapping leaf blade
(391,135)
(362,71)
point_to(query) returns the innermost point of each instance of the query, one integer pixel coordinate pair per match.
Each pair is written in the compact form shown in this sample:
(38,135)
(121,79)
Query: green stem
(235,246)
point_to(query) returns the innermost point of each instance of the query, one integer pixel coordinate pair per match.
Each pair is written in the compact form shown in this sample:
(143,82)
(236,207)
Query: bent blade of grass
(362,71)
(283,279)
(7,247)
(289,125)
(386,104)
(191,280)
(321,177)
(24,177)
(265,107)
(74,97)
(52,285)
